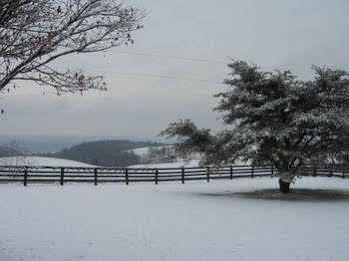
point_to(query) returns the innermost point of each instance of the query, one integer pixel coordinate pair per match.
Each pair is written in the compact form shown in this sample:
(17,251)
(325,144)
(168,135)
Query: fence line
(44,174)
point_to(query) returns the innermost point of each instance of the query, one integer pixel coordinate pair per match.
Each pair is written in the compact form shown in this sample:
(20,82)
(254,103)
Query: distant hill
(7,151)
(116,153)
(51,144)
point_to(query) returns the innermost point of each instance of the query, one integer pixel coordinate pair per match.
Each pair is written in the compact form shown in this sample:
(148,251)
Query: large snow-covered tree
(36,33)
(272,118)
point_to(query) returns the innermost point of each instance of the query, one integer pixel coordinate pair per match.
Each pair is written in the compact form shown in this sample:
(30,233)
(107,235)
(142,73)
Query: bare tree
(17,163)
(35,33)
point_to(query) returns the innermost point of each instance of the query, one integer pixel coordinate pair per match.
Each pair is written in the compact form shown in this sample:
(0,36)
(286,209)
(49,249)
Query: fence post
(25,176)
(252,171)
(208,174)
(62,176)
(231,172)
(156,176)
(183,175)
(96,173)
(314,171)
(272,170)
(126,176)
(331,171)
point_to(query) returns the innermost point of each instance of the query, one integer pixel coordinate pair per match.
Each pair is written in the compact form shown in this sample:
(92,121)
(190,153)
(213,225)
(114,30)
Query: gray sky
(179,61)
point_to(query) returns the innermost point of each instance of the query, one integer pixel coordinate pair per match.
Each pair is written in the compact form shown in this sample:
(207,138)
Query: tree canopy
(34,34)
(272,118)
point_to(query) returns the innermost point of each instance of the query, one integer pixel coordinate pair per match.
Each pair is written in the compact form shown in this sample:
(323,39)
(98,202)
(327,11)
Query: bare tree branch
(33,34)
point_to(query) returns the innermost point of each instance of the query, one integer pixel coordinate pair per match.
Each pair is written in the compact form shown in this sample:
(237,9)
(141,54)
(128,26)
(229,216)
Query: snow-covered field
(179,164)
(141,152)
(222,220)
(42,161)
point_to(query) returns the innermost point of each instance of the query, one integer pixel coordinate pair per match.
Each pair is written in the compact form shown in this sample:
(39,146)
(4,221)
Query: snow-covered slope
(144,152)
(179,164)
(42,161)
(141,152)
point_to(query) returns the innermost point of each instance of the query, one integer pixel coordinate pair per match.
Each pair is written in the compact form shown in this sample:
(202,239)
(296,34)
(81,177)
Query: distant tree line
(113,153)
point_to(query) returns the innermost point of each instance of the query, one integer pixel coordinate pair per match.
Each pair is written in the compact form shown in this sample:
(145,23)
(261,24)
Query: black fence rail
(48,174)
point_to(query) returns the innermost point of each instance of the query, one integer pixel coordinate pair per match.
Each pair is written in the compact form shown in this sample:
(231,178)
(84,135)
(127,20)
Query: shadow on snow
(294,195)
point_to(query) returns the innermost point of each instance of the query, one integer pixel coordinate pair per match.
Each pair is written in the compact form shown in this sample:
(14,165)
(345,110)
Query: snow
(141,152)
(222,220)
(178,164)
(42,161)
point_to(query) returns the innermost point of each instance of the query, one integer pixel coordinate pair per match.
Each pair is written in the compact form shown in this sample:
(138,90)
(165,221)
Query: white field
(179,164)
(141,152)
(172,222)
(42,161)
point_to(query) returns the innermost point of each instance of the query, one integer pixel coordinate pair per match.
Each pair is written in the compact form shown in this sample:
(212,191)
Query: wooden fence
(45,174)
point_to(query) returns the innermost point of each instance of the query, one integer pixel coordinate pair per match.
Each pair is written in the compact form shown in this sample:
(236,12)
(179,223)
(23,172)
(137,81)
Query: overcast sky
(179,61)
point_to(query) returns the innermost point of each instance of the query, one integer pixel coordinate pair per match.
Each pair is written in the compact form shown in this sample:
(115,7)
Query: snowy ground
(141,152)
(179,164)
(42,161)
(222,220)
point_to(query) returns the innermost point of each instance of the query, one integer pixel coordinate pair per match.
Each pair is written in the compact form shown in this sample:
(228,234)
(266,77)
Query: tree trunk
(284,186)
